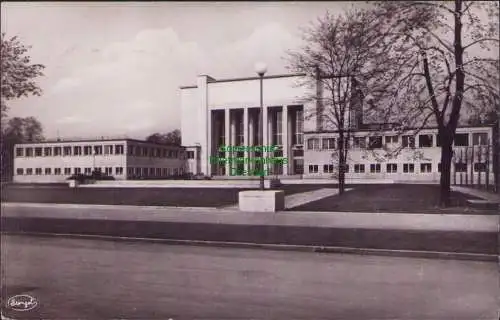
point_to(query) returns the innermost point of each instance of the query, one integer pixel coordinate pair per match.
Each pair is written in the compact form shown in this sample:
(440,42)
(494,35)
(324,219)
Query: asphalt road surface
(97,279)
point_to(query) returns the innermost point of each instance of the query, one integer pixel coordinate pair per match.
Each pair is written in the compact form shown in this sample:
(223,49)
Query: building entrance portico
(239,127)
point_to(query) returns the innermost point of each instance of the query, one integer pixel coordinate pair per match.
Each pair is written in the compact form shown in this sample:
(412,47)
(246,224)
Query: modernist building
(226,112)
(54,161)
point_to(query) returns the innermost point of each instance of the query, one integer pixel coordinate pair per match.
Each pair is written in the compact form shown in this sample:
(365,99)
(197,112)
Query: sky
(114,69)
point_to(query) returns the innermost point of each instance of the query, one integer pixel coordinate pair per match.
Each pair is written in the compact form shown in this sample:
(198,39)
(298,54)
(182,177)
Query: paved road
(94,279)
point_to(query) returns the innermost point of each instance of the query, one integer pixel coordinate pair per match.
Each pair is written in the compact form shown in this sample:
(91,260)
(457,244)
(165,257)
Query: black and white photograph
(308,160)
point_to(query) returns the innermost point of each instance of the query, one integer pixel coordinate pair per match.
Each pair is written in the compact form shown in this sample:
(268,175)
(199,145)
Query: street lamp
(261,69)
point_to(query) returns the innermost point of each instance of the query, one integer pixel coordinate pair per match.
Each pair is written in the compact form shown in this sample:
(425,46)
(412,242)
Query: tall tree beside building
(341,58)
(172,138)
(18,76)
(17,130)
(451,55)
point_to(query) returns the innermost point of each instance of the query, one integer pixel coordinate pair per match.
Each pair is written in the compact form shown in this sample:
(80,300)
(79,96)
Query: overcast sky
(115,68)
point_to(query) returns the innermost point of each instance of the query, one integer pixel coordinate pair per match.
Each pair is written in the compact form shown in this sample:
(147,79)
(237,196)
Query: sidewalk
(472,237)
(358,220)
(485,195)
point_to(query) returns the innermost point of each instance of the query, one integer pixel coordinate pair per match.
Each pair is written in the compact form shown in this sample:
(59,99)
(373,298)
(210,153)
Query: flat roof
(98,140)
(212,80)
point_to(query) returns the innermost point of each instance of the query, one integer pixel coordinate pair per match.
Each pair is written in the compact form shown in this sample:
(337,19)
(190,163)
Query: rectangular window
(391,168)
(328,168)
(78,170)
(67,171)
(391,139)
(108,171)
(67,151)
(119,149)
(375,168)
(97,150)
(190,154)
(19,152)
(175,154)
(119,170)
(158,172)
(38,152)
(131,150)
(408,167)
(38,171)
(461,140)
(328,143)
(57,171)
(375,142)
(480,139)
(88,170)
(408,141)
(359,142)
(313,143)
(480,167)
(130,171)
(313,168)
(77,151)
(47,151)
(460,167)
(29,152)
(359,168)
(108,149)
(425,167)
(57,151)
(144,151)
(48,171)
(87,150)
(425,140)
(29,171)
(19,171)
(151,171)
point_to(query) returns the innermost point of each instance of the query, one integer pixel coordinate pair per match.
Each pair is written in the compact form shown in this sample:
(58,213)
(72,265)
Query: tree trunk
(445,181)
(341,164)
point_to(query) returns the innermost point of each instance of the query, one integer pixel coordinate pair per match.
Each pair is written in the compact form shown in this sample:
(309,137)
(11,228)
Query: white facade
(226,112)
(48,162)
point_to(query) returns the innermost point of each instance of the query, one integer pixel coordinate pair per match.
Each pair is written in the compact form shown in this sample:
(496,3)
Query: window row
(110,149)
(144,151)
(68,171)
(407,141)
(393,168)
(107,170)
(69,151)
(154,172)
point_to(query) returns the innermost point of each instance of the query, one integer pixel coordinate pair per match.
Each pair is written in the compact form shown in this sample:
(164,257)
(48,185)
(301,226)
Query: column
(265,136)
(226,138)
(284,134)
(251,134)
(245,135)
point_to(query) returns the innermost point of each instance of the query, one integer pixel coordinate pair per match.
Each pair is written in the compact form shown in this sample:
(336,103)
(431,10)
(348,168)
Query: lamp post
(261,69)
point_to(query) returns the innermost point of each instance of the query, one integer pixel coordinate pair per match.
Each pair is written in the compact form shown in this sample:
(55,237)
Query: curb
(282,247)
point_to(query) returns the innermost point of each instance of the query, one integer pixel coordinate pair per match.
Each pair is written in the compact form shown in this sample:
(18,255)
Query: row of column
(250,124)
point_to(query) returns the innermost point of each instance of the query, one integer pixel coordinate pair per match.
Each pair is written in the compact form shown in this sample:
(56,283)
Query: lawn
(182,197)
(404,198)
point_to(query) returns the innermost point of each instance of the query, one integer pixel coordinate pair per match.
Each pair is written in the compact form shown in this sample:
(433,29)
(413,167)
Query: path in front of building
(489,196)
(298,199)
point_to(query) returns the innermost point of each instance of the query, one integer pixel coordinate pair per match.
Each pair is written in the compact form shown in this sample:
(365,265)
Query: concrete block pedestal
(261,200)
(73,183)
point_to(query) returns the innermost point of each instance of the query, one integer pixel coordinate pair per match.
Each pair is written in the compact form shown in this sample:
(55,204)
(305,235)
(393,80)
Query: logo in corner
(22,302)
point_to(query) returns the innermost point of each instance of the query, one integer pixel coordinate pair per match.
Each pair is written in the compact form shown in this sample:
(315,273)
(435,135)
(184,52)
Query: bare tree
(342,59)
(442,43)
